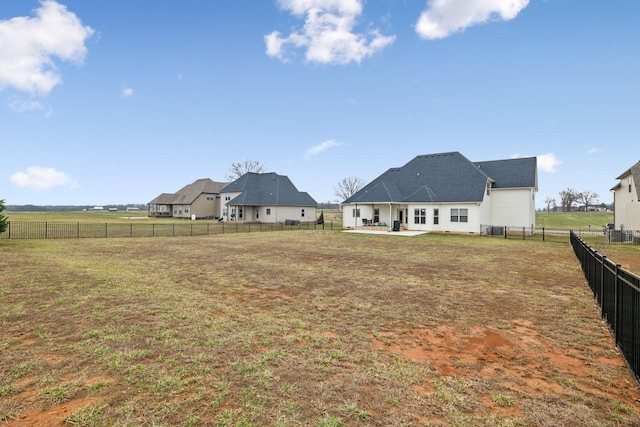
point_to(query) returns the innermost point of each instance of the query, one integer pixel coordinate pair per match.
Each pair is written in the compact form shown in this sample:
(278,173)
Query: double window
(419,216)
(459,215)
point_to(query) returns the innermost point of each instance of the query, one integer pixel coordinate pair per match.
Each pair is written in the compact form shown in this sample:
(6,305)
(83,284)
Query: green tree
(3,219)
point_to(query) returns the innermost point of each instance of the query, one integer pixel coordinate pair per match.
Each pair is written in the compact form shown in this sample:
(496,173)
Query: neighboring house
(448,193)
(626,199)
(268,198)
(200,198)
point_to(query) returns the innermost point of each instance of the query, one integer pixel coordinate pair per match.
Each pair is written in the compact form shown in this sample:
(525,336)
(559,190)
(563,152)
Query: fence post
(523,232)
(616,284)
(505,231)
(543,234)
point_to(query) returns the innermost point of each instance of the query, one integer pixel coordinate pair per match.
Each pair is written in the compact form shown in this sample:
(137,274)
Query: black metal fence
(594,236)
(76,230)
(618,294)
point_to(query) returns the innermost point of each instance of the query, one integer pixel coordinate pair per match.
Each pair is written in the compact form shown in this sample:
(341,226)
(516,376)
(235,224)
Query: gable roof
(446,178)
(267,189)
(633,171)
(189,193)
(512,173)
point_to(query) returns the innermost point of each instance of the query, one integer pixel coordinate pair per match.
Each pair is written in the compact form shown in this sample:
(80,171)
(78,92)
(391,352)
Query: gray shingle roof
(189,193)
(445,178)
(267,189)
(511,173)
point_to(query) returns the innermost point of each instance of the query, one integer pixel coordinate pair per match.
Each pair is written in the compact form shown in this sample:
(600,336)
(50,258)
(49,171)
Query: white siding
(626,212)
(513,207)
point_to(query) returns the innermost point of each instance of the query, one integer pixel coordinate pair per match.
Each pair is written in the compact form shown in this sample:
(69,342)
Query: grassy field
(566,220)
(304,328)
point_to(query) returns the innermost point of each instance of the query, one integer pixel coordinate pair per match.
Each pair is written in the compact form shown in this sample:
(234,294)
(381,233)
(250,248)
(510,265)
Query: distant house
(626,199)
(268,198)
(200,198)
(446,192)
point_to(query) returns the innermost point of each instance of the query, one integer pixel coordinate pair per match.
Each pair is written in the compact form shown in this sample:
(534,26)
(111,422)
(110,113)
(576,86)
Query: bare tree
(550,203)
(240,168)
(567,198)
(348,187)
(587,198)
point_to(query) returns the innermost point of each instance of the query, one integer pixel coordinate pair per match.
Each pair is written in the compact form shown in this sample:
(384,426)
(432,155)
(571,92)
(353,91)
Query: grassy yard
(567,220)
(304,328)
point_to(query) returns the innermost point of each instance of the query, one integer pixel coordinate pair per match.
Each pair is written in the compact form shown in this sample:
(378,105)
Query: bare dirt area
(304,328)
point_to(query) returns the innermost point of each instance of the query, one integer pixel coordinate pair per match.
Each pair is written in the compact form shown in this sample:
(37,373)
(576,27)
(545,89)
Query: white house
(626,200)
(446,192)
(268,198)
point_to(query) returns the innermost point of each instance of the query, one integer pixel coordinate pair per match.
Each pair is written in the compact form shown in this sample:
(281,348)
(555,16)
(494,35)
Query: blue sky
(117,101)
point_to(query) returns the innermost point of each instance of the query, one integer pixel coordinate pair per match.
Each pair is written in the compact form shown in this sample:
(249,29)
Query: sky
(116,101)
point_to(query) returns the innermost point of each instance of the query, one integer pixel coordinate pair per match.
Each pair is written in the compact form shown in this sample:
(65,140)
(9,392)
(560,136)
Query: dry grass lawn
(304,328)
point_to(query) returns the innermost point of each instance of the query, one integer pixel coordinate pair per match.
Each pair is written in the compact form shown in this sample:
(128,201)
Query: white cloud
(594,150)
(127,92)
(39,178)
(327,34)
(548,162)
(445,17)
(21,105)
(29,44)
(317,149)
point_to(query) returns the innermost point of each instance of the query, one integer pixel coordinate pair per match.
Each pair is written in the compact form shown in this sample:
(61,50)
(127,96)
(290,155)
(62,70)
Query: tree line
(569,197)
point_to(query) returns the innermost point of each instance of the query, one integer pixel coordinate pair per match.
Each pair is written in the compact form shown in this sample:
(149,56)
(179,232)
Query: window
(210,197)
(459,215)
(355,213)
(257,213)
(629,181)
(227,197)
(302,213)
(240,212)
(436,216)
(488,188)
(419,216)
(268,211)
(224,211)
(186,209)
(376,215)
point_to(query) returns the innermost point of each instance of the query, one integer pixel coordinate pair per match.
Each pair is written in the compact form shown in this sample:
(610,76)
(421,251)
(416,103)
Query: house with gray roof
(446,192)
(626,199)
(268,198)
(201,199)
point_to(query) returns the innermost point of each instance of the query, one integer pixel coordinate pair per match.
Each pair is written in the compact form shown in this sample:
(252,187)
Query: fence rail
(594,236)
(618,294)
(77,230)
